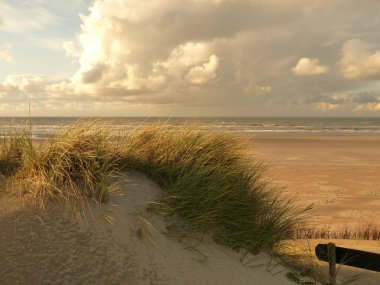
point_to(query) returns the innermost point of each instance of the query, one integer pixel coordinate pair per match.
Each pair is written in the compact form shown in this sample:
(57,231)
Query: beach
(339,175)
(117,238)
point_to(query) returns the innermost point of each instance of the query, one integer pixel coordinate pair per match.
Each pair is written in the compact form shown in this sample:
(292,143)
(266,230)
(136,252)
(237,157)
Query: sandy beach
(338,174)
(121,242)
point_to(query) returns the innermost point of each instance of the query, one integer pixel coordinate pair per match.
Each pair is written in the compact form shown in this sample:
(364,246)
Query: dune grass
(13,146)
(359,232)
(76,164)
(211,184)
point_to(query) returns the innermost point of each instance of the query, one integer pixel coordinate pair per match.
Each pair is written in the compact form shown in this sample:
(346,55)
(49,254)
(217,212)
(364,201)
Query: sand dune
(135,248)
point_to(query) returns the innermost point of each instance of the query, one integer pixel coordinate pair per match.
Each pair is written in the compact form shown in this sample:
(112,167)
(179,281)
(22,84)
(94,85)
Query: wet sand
(340,175)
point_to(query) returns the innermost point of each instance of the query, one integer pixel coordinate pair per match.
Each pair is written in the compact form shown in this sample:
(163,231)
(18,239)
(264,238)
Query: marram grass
(76,164)
(13,147)
(211,184)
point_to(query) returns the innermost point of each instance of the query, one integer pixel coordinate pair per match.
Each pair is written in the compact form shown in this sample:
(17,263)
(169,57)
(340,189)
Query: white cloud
(6,52)
(36,85)
(71,49)
(358,63)
(23,83)
(203,73)
(184,56)
(169,47)
(307,67)
(157,57)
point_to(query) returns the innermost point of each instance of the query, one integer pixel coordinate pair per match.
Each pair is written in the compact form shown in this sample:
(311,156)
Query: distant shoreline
(43,127)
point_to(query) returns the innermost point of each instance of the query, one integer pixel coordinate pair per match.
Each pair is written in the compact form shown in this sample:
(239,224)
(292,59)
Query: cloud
(323,106)
(5,52)
(366,97)
(221,57)
(94,74)
(171,49)
(160,57)
(326,102)
(357,102)
(358,62)
(372,107)
(203,73)
(367,101)
(23,84)
(30,17)
(71,48)
(307,67)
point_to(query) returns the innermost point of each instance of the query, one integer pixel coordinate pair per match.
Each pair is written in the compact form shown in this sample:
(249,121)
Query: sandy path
(40,248)
(36,248)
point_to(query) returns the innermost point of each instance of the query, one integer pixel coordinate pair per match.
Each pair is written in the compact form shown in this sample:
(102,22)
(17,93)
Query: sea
(44,127)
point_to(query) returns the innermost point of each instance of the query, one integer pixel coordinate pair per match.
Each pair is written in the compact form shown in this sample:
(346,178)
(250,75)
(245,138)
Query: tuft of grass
(76,164)
(13,146)
(362,232)
(212,184)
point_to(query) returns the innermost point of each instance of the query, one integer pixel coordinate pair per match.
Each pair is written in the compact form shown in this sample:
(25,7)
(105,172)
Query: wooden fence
(351,257)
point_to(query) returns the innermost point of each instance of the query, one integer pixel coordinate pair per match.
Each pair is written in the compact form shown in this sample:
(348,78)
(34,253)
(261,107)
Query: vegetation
(13,146)
(363,232)
(210,183)
(74,165)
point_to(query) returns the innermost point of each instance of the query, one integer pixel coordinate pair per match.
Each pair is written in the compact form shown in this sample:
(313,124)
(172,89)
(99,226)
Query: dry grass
(212,185)
(13,146)
(76,164)
(360,232)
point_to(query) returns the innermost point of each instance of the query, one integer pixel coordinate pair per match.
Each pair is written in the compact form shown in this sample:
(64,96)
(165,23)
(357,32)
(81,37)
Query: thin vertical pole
(30,120)
(331,253)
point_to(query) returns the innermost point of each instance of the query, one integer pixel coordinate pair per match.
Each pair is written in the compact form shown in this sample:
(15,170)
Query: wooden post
(332,262)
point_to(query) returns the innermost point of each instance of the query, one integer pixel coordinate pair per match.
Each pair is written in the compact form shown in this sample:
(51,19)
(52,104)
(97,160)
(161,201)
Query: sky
(190,58)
